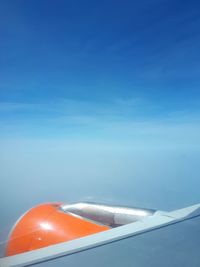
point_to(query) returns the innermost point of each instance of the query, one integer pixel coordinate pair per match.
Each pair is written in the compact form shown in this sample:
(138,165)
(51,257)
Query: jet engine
(52,223)
(45,225)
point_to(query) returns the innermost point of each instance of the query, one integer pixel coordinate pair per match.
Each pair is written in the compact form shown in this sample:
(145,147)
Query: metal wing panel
(176,245)
(158,240)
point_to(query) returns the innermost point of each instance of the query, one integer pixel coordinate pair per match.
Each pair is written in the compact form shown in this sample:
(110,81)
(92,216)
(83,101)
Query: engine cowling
(46,225)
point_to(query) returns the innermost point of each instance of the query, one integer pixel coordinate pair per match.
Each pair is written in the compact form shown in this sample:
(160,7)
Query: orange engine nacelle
(45,225)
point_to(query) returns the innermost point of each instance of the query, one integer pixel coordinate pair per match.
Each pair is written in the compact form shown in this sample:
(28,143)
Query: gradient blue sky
(102,97)
(72,63)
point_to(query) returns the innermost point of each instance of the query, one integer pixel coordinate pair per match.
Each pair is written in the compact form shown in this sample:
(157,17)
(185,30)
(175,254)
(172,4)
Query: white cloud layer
(122,122)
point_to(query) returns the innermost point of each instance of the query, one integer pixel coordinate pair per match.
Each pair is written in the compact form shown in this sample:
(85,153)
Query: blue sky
(105,94)
(99,53)
(78,67)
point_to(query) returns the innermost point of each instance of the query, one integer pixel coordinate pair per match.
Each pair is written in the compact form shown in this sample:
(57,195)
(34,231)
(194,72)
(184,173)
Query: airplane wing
(162,239)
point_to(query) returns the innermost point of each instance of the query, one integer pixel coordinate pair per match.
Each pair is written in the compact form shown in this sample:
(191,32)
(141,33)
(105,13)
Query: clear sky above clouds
(102,59)
(102,97)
